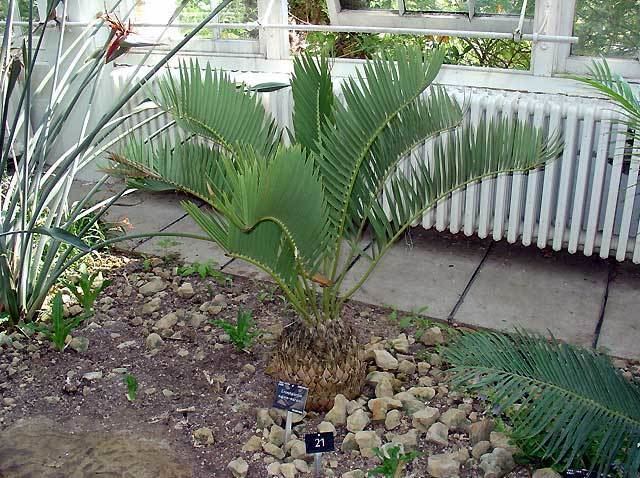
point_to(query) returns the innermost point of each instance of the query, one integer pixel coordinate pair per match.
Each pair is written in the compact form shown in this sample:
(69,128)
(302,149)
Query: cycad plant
(299,209)
(573,406)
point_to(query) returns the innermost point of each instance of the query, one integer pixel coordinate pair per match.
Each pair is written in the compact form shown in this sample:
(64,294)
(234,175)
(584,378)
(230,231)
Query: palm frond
(570,400)
(210,104)
(313,97)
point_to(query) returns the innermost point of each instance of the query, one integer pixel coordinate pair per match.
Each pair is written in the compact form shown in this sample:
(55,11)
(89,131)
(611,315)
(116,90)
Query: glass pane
(504,7)
(607,28)
(434,6)
(236,12)
(370,4)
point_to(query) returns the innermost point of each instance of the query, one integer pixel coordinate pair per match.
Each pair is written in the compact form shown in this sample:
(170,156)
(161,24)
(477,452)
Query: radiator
(584,202)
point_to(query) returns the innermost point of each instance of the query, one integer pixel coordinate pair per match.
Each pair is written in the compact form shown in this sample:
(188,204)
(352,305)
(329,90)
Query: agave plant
(41,232)
(299,209)
(573,405)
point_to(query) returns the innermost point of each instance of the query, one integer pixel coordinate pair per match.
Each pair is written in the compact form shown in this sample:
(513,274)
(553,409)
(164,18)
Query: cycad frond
(210,104)
(570,399)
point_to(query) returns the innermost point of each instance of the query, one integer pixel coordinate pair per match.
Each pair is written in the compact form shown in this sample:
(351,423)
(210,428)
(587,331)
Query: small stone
(152,306)
(154,286)
(432,336)
(186,291)
(273,450)
(392,419)
(126,345)
(8,401)
(273,469)
(90,376)
(423,419)
(249,369)
(367,441)
(253,444)
(238,468)
(423,368)
(380,406)
(203,437)
(326,427)
(288,470)
(153,341)
(79,344)
(357,473)
(376,376)
(168,393)
(352,406)
(408,440)
(497,463)
(480,448)
(384,388)
(422,393)
(183,353)
(301,466)
(358,421)
(349,443)
(385,360)
(276,435)
(481,431)
(438,433)
(166,322)
(501,440)
(338,414)
(443,466)
(546,473)
(455,419)
(296,449)
(263,419)
(409,402)
(196,320)
(406,367)
(401,344)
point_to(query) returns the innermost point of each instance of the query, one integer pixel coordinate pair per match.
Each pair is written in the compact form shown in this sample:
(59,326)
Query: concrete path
(587,301)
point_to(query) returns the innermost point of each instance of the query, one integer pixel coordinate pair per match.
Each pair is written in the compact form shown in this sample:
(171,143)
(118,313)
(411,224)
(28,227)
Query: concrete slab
(428,269)
(539,291)
(188,250)
(620,332)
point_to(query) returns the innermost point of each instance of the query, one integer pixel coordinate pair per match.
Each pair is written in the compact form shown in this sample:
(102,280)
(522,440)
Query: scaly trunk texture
(325,358)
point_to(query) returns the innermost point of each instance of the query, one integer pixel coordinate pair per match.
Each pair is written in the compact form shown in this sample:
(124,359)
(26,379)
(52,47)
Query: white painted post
(547,22)
(274,43)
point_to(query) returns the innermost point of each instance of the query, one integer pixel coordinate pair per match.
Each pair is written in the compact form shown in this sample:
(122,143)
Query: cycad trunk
(326,358)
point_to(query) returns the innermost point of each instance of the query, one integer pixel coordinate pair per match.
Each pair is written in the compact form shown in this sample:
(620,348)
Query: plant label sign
(291,397)
(319,442)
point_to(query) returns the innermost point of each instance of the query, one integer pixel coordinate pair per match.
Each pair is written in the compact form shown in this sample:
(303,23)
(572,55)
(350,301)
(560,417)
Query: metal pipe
(359,29)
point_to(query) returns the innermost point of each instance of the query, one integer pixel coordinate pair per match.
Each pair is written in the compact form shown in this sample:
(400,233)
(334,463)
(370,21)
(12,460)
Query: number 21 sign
(319,442)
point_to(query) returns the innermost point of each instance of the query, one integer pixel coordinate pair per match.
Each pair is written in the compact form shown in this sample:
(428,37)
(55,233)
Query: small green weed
(146,265)
(165,245)
(394,458)
(243,332)
(58,327)
(268,294)
(416,320)
(87,288)
(132,386)
(204,270)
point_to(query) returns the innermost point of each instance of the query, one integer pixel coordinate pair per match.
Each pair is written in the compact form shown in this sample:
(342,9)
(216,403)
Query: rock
(461,455)
(349,443)
(409,402)
(480,448)
(357,473)
(406,367)
(358,421)
(408,440)
(249,369)
(276,435)
(497,463)
(338,414)
(273,450)
(126,345)
(301,466)
(380,406)
(546,473)
(153,341)
(166,322)
(455,419)
(203,437)
(385,360)
(392,419)
(432,336)
(384,388)
(154,286)
(91,376)
(501,440)
(422,393)
(401,344)
(253,444)
(296,449)
(352,406)
(367,441)
(438,433)
(186,291)
(273,469)
(152,306)
(288,470)
(326,427)
(423,419)
(443,466)
(263,419)
(196,320)
(376,376)
(423,368)
(79,344)
(238,468)
(481,431)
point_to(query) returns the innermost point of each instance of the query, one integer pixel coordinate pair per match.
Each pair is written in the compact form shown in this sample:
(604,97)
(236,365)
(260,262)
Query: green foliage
(87,287)
(131,383)
(243,332)
(573,406)
(165,245)
(58,327)
(204,270)
(300,212)
(393,459)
